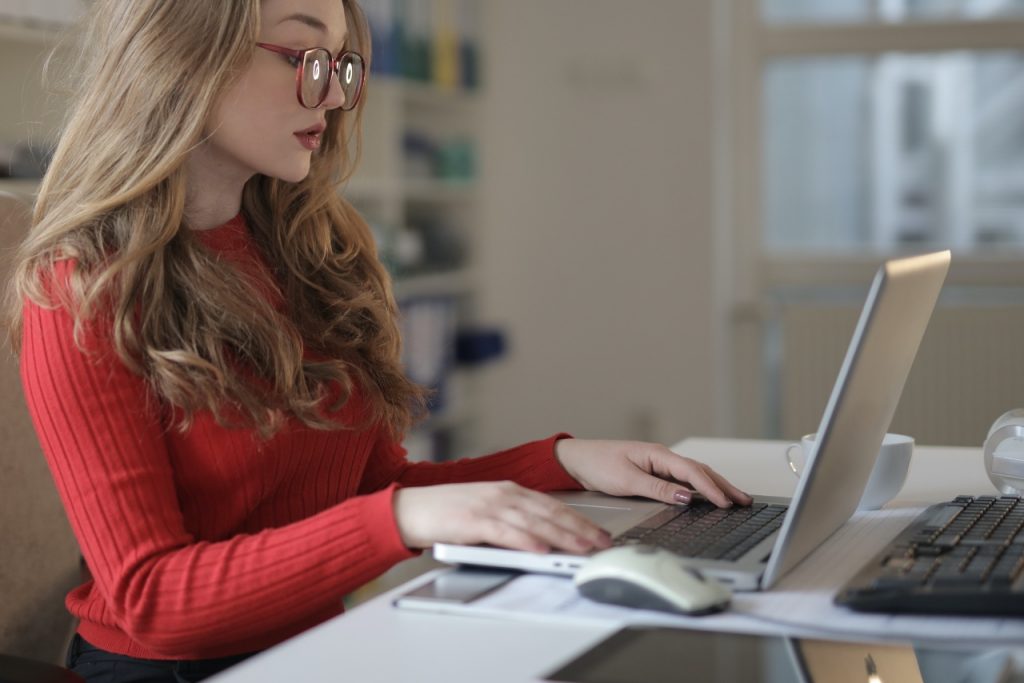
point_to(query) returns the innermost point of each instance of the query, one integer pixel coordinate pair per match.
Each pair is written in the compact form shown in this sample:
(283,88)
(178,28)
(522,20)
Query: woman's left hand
(634,468)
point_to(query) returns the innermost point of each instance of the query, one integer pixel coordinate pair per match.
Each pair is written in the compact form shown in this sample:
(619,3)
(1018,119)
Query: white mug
(887,477)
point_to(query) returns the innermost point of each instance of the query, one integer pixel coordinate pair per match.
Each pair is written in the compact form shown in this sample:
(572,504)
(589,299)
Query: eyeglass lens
(316,78)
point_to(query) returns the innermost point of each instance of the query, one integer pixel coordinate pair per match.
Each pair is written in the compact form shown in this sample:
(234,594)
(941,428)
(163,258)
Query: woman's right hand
(497,513)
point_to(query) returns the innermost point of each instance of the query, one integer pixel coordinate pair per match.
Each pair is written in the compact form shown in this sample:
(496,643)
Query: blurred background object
(666,213)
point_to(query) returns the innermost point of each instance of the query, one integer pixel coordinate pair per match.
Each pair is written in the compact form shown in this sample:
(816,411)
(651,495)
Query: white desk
(377,642)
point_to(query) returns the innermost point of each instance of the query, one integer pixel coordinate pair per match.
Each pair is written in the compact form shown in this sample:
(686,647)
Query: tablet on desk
(639,654)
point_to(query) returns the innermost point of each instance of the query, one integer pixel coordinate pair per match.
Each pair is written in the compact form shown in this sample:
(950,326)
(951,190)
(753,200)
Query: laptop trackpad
(602,516)
(614,514)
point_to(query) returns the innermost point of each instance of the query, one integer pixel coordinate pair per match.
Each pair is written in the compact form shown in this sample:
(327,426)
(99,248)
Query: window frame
(746,273)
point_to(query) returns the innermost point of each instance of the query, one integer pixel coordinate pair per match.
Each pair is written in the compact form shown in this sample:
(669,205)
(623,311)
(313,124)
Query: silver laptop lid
(863,400)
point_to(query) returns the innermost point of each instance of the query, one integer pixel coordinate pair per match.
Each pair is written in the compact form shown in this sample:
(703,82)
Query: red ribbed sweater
(213,542)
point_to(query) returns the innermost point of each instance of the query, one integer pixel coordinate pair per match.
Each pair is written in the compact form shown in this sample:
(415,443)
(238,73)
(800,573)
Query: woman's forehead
(324,19)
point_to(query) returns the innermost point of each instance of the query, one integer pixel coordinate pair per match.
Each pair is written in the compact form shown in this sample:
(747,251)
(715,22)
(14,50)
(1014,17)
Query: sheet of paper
(801,604)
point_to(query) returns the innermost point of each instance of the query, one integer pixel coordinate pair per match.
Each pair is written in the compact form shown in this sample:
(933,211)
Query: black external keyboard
(706,531)
(961,557)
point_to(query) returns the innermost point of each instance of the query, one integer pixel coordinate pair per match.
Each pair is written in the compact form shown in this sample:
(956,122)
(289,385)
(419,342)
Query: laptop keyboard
(703,530)
(965,556)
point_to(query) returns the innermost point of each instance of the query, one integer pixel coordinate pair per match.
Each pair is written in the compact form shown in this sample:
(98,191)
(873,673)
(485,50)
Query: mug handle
(789,459)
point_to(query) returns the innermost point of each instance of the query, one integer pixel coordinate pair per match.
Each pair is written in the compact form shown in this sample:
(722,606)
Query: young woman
(210,354)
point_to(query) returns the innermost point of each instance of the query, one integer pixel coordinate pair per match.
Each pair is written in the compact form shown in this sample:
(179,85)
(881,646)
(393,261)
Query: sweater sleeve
(174,595)
(532,465)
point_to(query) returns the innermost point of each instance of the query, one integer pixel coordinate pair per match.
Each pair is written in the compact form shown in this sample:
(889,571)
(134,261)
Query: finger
(704,483)
(664,490)
(547,531)
(669,468)
(500,533)
(738,495)
(544,507)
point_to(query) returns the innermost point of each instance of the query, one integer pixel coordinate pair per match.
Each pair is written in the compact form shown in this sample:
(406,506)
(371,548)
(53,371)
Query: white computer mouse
(650,578)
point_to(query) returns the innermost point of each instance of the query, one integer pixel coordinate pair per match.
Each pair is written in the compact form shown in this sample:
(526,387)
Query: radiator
(968,371)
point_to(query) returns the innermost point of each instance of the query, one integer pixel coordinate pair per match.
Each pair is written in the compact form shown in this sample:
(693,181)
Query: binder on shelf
(430,41)
(416,48)
(445,65)
(386,35)
(428,349)
(426,444)
(475,346)
(468,19)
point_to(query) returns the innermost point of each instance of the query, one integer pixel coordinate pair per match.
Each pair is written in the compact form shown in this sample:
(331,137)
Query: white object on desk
(376,642)
(1004,452)
(937,473)
(887,476)
(800,604)
(652,578)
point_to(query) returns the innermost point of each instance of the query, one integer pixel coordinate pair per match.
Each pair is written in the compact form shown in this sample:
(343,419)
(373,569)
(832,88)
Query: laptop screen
(860,409)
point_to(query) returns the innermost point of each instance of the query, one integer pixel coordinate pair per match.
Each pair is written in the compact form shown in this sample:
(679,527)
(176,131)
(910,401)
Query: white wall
(596,243)
(595,247)
(27,112)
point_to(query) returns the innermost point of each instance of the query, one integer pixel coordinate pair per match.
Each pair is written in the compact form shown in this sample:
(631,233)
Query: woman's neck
(214,190)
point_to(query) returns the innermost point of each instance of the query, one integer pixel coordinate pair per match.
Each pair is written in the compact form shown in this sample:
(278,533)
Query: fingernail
(682,496)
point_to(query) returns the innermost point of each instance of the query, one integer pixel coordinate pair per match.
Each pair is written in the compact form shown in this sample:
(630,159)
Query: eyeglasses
(313,69)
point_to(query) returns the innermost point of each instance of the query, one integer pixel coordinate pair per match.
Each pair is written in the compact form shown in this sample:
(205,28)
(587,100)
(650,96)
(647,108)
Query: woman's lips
(310,141)
(310,138)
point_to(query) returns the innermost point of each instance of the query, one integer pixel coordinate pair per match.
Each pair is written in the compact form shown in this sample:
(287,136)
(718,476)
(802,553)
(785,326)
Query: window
(855,130)
(893,150)
(826,11)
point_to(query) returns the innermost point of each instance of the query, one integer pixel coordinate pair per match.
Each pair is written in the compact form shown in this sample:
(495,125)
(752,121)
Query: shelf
(24,188)
(421,191)
(394,200)
(416,94)
(453,282)
(429,191)
(375,190)
(448,418)
(457,410)
(30,31)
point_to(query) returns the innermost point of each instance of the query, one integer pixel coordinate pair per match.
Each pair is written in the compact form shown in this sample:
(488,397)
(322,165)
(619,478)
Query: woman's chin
(294,174)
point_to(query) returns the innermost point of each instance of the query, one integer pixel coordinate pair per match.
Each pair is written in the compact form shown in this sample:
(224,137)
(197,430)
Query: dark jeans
(99,666)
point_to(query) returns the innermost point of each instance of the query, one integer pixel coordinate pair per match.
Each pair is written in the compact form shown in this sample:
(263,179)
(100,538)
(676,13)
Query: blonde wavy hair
(113,202)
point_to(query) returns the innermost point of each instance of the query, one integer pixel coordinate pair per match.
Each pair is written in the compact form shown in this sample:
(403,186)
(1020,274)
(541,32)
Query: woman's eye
(294,61)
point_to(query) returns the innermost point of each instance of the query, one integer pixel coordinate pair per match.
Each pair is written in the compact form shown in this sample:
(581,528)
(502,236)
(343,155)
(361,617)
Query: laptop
(892,322)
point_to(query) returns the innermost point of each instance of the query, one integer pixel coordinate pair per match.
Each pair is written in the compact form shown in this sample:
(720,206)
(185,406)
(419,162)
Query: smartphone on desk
(459,586)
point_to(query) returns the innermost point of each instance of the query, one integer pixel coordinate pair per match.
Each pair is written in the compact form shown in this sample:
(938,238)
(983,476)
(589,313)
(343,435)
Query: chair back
(39,558)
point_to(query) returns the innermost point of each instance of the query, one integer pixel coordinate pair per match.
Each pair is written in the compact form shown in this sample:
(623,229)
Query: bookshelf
(416,184)
(424,212)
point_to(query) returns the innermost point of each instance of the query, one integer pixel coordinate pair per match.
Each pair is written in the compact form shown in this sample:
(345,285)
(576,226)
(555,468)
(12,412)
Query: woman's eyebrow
(306,19)
(312,22)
